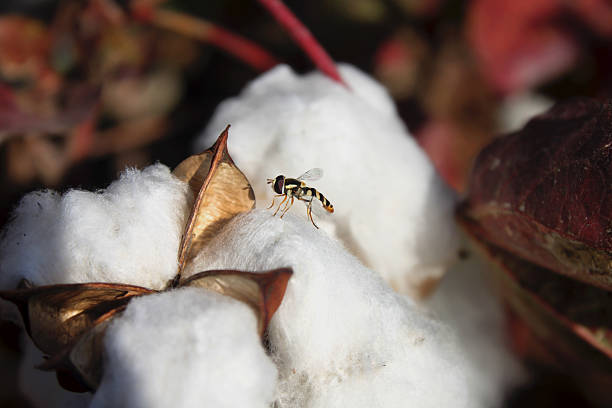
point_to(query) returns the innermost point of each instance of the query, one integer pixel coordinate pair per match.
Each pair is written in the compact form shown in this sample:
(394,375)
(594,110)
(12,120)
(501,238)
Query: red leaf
(544,194)
(558,322)
(517,43)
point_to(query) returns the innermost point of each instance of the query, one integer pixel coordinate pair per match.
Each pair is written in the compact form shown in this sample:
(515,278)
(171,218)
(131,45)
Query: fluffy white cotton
(392,209)
(466,301)
(127,233)
(341,336)
(186,348)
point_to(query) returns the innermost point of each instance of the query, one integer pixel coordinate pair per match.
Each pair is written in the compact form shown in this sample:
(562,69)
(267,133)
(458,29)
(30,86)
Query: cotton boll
(128,233)
(341,336)
(465,300)
(186,348)
(392,209)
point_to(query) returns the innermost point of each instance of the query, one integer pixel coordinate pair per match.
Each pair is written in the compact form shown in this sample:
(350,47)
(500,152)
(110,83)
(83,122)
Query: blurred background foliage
(88,87)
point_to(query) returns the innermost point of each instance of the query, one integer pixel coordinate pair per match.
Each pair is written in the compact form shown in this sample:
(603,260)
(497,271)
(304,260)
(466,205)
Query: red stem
(302,36)
(243,49)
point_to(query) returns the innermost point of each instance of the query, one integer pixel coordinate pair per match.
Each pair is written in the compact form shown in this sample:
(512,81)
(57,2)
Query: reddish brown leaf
(56,316)
(262,292)
(544,194)
(570,321)
(221,192)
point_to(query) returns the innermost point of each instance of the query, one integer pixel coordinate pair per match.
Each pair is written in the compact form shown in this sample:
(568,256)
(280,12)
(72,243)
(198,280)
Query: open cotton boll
(185,348)
(128,233)
(341,337)
(392,209)
(465,300)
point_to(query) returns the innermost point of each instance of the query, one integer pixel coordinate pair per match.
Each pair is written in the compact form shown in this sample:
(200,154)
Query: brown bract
(68,322)
(65,322)
(221,192)
(544,193)
(56,316)
(262,292)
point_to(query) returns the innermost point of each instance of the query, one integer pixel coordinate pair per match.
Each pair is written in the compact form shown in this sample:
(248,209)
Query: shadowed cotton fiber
(342,337)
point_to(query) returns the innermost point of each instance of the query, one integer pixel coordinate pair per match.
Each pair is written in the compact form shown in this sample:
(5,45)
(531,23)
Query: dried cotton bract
(392,209)
(128,233)
(341,337)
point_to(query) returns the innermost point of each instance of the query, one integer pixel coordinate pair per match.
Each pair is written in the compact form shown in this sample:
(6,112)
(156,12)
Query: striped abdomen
(308,193)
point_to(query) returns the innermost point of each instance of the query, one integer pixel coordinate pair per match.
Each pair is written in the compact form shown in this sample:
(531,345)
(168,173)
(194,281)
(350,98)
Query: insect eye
(278,184)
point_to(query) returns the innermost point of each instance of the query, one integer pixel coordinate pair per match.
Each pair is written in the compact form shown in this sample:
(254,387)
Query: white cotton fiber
(341,337)
(128,233)
(466,301)
(391,209)
(186,348)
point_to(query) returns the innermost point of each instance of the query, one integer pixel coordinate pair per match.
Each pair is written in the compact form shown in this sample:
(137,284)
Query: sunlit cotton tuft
(128,233)
(391,208)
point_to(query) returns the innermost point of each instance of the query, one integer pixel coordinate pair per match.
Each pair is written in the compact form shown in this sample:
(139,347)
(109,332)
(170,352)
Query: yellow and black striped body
(299,190)
(291,188)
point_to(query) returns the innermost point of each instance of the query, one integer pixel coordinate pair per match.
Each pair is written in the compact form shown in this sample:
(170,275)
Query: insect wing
(312,175)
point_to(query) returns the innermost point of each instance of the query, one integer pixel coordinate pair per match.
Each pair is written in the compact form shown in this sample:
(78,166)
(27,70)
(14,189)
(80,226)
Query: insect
(291,188)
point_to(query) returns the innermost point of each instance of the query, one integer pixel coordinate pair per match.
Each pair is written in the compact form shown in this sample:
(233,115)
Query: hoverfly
(291,188)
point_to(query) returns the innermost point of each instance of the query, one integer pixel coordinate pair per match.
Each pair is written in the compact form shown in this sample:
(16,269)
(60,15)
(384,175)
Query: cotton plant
(340,335)
(391,209)
(75,305)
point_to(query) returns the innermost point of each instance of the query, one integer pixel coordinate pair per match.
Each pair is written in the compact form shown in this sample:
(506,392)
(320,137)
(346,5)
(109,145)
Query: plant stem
(303,37)
(243,49)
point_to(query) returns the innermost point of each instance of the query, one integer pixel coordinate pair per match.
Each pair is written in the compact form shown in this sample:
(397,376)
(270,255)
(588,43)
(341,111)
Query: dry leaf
(56,316)
(221,191)
(263,292)
(540,204)
(570,321)
(68,322)
(543,193)
(79,368)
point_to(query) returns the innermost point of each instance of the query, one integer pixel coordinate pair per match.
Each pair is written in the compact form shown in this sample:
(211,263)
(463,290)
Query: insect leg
(287,207)
(274,198)
(279,206)
(309,212)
